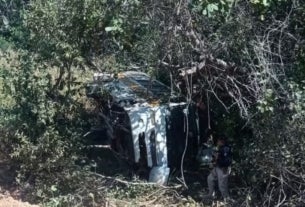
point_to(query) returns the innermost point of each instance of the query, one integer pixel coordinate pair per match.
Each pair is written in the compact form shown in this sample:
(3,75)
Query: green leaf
(53,188)
(262,17)
(91,195)
(265,3)
(212,7)
(204,12)
(109,29)
(5,21)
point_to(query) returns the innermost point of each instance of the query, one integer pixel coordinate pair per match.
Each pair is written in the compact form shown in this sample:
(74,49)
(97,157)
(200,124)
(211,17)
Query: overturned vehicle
(144,121)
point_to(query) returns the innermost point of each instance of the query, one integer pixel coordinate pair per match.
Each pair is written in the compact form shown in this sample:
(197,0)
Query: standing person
(221,169)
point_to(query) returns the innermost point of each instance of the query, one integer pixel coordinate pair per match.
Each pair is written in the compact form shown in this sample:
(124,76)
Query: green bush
(43,131)
(273,162)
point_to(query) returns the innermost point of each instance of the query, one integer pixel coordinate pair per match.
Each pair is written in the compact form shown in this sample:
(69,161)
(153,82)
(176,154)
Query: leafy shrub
(274,158)
(41,130)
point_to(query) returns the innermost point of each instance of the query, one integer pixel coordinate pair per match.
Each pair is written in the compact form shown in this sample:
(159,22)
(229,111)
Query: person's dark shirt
(224,158)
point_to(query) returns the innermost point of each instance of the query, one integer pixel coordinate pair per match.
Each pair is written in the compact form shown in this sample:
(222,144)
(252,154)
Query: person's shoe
(208,197)
(229,200)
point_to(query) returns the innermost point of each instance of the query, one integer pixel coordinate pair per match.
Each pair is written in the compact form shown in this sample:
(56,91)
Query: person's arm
(215,158)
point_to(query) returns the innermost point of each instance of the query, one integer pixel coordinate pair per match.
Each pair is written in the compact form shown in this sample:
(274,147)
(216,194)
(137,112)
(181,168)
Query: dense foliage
(248,57)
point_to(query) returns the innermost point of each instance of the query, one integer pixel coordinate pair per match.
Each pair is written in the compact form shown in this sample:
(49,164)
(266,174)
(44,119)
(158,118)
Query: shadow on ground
(7,176)
(107,162)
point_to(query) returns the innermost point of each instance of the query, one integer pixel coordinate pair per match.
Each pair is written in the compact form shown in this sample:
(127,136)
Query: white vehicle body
(145,106)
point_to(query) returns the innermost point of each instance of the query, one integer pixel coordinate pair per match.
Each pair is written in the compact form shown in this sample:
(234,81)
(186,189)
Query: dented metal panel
(149,120)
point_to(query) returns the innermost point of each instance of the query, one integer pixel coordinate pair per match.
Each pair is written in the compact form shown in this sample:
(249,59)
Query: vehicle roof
(134,86)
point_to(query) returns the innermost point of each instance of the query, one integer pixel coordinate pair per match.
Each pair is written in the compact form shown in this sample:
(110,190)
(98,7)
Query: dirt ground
(9,201)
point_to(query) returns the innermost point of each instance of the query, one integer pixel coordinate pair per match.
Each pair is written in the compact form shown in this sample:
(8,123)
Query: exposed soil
(9,201)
